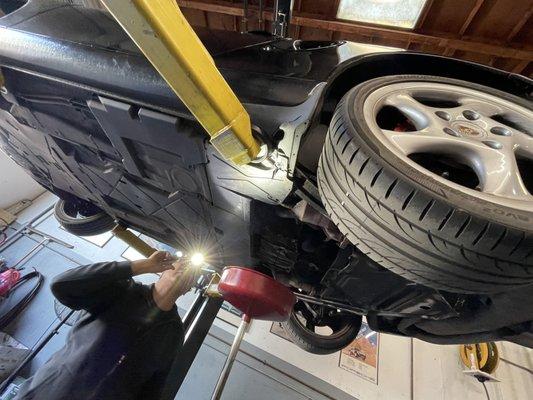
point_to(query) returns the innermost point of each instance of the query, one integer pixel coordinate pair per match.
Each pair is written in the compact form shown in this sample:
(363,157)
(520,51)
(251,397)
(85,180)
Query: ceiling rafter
(334,9)
(471,16)
(457,44)
(469,45)
(423,15)
(518,27)
(297,8)
(520,67)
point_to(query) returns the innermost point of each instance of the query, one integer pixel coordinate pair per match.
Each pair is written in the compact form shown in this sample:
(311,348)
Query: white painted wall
(15,183)
(393,375)
(438,374)
(436,370)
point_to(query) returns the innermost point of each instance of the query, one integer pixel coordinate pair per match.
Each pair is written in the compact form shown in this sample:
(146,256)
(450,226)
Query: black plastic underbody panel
(154,171)
(104,151)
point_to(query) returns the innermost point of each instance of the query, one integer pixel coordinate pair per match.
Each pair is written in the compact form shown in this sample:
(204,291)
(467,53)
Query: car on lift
(395,185)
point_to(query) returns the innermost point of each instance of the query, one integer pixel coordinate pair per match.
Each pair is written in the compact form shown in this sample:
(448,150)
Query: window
(397,13)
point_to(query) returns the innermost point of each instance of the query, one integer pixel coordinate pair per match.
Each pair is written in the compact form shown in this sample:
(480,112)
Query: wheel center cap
(468,130)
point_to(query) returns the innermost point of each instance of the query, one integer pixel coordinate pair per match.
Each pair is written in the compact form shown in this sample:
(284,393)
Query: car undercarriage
(100,128)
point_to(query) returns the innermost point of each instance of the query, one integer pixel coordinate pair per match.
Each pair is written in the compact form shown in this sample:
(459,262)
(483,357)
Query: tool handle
(231,358)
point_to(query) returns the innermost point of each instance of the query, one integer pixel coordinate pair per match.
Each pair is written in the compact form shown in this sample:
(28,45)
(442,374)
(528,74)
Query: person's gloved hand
(158,262)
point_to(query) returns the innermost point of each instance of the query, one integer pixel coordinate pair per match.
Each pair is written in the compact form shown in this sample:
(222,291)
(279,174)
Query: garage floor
(256,374)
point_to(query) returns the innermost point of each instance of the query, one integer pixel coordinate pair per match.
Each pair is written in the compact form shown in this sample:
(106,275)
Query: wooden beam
(471,16)
(518,27)
(379,32)
(520,67)
(216,8)
(298,8)
(448,52)
(423,15)
(334,9)
(396,34)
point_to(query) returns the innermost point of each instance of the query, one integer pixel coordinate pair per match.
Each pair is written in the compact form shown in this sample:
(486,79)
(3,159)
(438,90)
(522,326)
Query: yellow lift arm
(161,31)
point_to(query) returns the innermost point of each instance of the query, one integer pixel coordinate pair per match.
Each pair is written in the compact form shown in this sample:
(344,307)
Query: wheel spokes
(417,113)
(497,169)
(523,144)
(419,141)
(499,174)
(473,130)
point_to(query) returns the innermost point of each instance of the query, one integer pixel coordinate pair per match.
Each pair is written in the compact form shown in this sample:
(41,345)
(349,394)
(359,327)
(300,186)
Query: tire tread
(434,243)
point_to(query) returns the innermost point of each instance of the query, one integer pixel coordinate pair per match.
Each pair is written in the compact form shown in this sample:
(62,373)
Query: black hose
(6,318)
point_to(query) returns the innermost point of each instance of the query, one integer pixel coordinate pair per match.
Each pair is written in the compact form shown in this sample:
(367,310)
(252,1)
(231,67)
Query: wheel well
(358,70)
(352,73)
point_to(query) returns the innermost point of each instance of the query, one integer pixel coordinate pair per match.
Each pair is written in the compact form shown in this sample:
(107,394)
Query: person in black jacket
(124,343)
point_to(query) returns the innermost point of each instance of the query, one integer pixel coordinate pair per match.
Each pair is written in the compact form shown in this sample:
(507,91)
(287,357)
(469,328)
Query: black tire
(320,344)
(95,224)
(412,224)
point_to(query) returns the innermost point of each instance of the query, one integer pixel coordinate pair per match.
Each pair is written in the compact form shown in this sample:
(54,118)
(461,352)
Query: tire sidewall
(63,216)
(494,212)
(88,226)
(326,344)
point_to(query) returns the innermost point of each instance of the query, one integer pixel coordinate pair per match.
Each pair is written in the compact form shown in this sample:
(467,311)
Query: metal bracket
(244,20)
(212,287)
(282,17)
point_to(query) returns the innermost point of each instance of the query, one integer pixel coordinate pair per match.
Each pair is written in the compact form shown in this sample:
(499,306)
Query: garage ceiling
(492,32)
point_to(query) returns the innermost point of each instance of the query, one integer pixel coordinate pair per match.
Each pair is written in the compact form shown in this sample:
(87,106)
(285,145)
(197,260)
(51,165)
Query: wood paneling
(525,35)
(224,22)
(315,34)
(195,17)
(528,71)
(496,19)
(447,16)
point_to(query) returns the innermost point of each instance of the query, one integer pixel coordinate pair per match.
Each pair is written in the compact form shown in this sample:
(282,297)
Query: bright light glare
(179,254)
(197,259)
